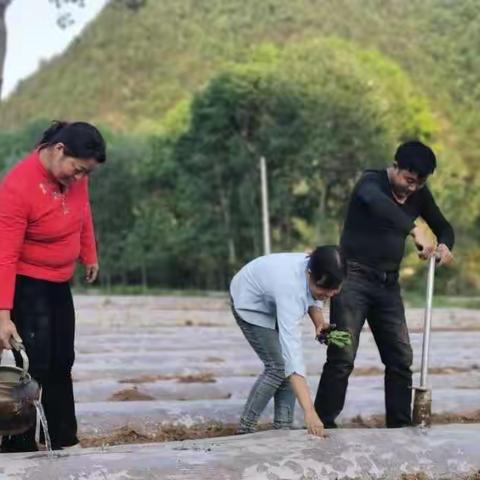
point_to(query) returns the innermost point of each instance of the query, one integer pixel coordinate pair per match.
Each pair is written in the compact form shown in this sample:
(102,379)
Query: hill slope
(129,68)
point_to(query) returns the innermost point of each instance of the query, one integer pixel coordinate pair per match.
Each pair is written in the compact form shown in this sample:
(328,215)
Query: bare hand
(314,424)
(445,255)
(423,242)
(7,331)
(319,329)
(427,252)
(91,272)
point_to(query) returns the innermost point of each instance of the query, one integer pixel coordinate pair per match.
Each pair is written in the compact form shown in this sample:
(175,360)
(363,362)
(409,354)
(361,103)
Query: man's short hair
(416,157)
(327,266)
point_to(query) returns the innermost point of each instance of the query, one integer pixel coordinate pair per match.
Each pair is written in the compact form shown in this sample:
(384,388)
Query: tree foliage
(319,112)
(181,207)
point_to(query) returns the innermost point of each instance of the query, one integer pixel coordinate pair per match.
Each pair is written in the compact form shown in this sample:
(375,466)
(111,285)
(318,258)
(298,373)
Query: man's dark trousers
(375,296)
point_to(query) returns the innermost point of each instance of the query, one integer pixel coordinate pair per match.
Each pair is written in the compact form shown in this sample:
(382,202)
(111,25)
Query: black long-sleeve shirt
(376,226)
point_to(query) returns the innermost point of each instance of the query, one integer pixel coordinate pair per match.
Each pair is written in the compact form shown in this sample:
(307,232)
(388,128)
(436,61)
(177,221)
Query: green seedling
(331,336)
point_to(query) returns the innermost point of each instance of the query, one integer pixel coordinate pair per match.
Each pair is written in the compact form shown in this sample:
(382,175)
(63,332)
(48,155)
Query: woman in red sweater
(45,227)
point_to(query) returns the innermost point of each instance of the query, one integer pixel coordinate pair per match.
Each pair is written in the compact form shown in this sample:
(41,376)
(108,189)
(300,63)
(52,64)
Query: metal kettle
(18,392)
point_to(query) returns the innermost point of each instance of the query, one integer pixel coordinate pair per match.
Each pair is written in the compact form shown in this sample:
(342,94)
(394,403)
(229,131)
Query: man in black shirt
(382,212)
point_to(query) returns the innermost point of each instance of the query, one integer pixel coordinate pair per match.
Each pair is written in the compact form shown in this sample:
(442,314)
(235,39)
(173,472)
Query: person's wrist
(310,411)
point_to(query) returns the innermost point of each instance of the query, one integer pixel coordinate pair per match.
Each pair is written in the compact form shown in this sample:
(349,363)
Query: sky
(31,40)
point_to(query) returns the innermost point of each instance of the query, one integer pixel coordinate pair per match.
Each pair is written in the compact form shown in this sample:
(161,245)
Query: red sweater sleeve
(13,223)
(88,249)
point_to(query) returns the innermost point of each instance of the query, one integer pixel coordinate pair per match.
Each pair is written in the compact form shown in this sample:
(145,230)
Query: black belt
(373,274)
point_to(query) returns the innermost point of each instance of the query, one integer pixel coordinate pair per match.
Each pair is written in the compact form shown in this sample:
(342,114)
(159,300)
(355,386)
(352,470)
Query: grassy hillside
(129,68)
(382,70)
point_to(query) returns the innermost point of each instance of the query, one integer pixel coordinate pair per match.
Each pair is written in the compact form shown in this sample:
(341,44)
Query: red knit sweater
(43,231)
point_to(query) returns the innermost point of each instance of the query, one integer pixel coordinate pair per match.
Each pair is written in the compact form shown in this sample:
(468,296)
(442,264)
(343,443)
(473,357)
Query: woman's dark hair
(81,140)
(416,157)
(327,266)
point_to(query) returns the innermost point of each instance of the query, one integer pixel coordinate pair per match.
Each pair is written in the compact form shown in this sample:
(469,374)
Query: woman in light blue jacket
(270,296)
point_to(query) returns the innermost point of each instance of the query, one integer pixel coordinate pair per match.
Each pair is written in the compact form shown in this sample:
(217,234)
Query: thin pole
(427,321)
(265,214)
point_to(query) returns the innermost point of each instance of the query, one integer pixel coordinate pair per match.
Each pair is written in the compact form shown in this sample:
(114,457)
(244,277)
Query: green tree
(15,144)
(114,189)
(319,112)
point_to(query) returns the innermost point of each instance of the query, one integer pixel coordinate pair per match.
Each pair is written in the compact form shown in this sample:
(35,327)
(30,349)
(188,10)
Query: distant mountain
(129,68)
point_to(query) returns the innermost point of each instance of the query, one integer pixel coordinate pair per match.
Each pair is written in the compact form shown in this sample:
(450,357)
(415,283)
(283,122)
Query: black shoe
(329,425)
(59,443)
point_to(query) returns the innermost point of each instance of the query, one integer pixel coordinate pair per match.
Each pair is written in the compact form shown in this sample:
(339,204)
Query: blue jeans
(271,383)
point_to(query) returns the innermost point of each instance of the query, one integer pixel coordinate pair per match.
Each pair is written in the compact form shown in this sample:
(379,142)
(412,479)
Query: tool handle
(20,348)
(427,320)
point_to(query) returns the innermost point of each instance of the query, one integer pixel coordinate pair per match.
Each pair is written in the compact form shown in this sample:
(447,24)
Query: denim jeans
(374,296)
(271,383)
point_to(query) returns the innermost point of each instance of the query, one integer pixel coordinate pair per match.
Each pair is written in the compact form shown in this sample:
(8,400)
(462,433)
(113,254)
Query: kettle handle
(20,348)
